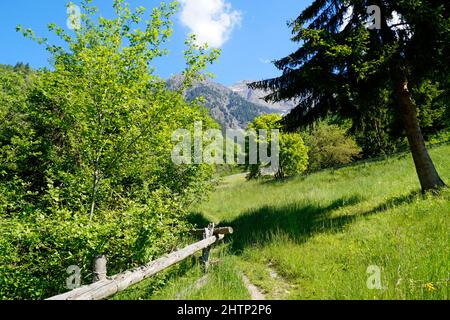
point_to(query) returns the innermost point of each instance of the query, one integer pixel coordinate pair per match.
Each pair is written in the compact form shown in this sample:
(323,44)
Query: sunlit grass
(321,233)
(223,281)
(314,237)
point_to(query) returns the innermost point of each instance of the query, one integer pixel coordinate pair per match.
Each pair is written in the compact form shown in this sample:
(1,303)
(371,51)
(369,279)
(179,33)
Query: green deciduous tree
(266,122)
(85,163)
(105,117)
(293,155)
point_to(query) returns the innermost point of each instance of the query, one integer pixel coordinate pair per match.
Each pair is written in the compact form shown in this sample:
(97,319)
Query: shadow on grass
(198,220)
(395,202)
(299,221)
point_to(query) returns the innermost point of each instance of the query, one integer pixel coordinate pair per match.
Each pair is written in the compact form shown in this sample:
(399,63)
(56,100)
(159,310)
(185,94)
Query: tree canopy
(85,152)
(345,68)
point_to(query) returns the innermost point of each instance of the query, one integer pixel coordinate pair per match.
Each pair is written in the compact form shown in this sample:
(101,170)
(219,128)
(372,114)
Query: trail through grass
(321,233)
(316,237)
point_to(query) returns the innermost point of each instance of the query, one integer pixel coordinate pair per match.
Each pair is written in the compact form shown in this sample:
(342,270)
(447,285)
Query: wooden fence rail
(104,287)
(217,231)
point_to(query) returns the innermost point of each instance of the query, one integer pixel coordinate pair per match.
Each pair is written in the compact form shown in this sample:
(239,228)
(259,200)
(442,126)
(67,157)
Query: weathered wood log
(99,272)
(217,231)
(110,286)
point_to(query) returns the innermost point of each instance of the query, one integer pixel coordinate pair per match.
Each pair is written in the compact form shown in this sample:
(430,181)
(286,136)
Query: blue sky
(250,33)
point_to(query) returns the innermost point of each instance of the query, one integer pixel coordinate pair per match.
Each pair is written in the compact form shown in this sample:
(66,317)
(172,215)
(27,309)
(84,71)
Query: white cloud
(211,20)
(265,61)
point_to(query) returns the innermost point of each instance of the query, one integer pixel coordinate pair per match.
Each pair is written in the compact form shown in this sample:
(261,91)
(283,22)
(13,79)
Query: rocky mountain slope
(256,96)
(228,107)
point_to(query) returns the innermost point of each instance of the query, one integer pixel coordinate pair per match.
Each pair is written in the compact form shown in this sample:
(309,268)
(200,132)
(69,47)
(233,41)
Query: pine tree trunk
(428,176)
(426,171)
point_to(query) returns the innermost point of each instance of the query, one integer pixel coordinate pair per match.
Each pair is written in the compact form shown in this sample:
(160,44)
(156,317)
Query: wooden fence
(104,287)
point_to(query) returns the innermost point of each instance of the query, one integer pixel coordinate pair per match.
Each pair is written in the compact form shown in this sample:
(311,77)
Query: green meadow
(360,232)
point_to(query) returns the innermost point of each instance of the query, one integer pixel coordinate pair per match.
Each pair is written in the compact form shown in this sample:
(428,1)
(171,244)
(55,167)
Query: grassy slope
(315,237)
(322,232)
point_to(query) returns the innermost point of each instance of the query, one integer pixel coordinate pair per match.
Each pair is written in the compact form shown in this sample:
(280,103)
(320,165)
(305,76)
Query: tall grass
(321,233)
(315,237)
(222,282)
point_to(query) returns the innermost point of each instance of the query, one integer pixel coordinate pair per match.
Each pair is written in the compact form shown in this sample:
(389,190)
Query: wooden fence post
(100,271)
(209,232)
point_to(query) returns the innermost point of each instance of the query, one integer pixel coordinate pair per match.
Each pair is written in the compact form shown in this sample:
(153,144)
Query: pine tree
(346,62)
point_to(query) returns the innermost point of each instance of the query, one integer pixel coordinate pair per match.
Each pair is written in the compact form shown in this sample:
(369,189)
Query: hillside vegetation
(85,154)
(99,155)
(315,237)
(227,107)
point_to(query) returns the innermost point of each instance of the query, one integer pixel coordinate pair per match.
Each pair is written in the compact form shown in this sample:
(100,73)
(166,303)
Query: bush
(329,146)
(45,223)
(265,122)
(293,155)
(85,155)
(440,137)
(36,251)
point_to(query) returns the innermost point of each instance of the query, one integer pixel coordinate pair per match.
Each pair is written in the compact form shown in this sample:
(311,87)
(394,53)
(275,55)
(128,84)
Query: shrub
(265,122)
(293,155)
(85,155)
(36,251)
(329,146)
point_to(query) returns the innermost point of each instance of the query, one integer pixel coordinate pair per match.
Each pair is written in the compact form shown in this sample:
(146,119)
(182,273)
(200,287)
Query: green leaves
(85,162)
(197,59)
(329,146)
(293,155)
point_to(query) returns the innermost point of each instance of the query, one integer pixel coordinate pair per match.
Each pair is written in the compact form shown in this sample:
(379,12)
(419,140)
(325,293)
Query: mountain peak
(227,106)
(257,96)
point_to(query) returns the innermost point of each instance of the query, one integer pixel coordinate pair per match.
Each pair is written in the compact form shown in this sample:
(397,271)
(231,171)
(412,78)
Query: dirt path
(253,290)
(281,290)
